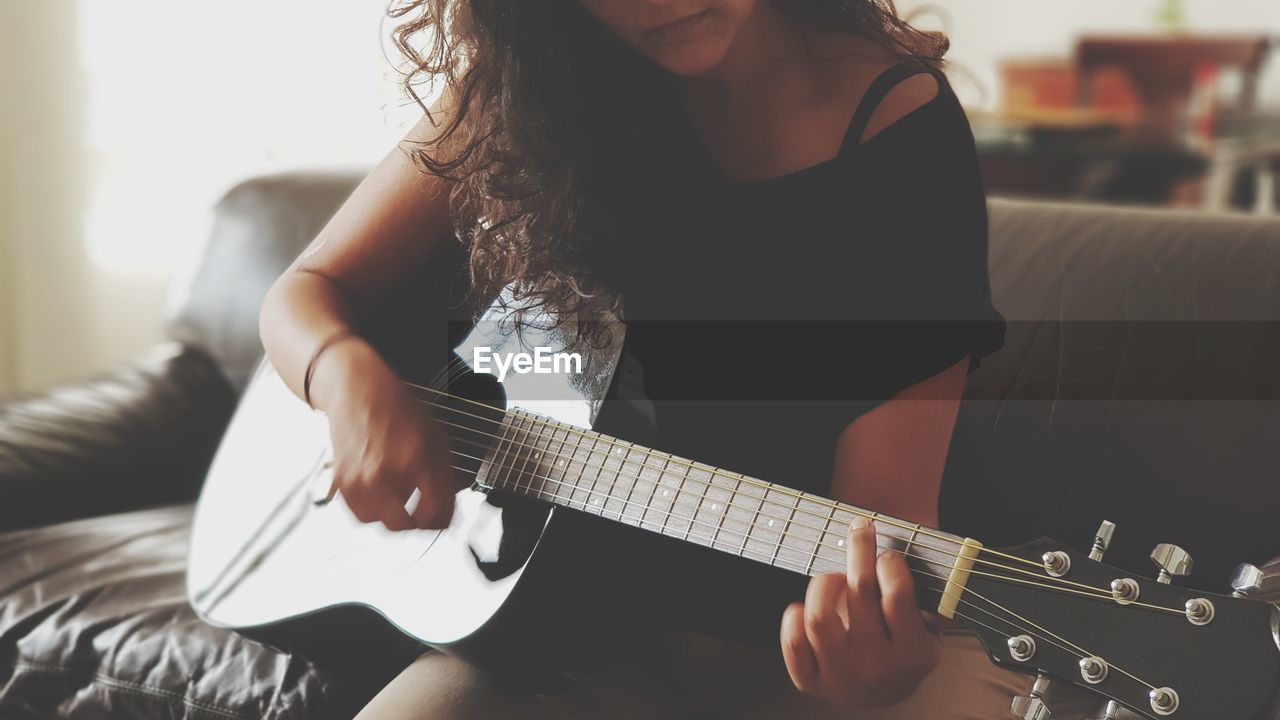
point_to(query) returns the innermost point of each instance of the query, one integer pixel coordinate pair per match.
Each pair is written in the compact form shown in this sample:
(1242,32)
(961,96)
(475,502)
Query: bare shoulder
(905,98)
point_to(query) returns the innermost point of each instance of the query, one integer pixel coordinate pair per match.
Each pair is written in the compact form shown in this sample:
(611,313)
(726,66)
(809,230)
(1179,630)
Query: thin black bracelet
(311,365)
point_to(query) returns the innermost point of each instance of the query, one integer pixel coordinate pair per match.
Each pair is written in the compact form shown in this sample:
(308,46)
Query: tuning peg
(1245,580)
(1033,707)
(1102,539)
(1111,711)
(1172,561)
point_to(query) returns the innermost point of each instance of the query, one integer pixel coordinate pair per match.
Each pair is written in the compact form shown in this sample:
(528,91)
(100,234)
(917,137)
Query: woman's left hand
(860,640)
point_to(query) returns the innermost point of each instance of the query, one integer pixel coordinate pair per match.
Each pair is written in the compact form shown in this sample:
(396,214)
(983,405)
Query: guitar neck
(689,501)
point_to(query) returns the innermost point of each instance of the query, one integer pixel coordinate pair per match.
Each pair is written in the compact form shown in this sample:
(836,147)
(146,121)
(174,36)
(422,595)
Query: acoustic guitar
(532,557)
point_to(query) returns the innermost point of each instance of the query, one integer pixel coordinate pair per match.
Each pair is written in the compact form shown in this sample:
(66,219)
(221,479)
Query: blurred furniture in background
(1149,120)
(1163,71)
(1072,422)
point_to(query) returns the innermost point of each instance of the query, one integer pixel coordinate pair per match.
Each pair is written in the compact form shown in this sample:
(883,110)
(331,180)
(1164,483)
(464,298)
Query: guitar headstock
(1160,650)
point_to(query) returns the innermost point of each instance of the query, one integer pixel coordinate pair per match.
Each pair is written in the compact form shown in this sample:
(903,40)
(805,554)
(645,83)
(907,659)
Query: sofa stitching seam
(137,688)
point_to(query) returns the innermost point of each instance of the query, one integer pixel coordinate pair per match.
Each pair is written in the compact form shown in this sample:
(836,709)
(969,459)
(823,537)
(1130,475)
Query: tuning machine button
(1125,590)
(1093,669)
(1245,580)
(1022,647)
(1056,563)
(1164,700)
(1032,707)
(1111,711)
(1172,560)
(1102,540)
(1199,611)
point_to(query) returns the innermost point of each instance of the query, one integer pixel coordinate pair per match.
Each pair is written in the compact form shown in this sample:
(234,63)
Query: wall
(129,119)
(44,331)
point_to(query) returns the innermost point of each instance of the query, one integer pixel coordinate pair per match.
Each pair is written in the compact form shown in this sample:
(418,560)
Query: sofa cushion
(135,436)
(94,622)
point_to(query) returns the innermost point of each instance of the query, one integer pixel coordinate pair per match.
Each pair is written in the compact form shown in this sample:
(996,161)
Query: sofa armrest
(138,436)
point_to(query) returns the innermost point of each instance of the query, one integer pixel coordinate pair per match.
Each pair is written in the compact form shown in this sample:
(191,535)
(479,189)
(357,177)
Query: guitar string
(1095,592)
(716,472)
(1099,593)
(645,509)
(721,473)
(1051,637)
(963,589)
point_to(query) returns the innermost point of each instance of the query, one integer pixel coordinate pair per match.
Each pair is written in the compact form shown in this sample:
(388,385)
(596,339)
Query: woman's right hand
(859,640)
(385,442)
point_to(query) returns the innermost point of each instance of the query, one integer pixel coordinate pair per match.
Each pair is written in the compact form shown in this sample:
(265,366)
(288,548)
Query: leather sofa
(1137,384)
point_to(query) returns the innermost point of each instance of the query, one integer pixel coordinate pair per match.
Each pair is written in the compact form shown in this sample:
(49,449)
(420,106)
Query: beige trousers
(690,676)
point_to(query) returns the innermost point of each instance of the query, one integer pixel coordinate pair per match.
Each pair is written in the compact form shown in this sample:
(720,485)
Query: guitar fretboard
(693,502)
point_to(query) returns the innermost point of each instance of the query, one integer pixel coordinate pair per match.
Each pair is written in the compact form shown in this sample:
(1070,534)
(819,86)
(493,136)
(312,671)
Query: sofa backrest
(259,227)
(1138,384)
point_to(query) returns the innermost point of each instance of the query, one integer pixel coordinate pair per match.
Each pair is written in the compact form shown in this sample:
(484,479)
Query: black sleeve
(923,235)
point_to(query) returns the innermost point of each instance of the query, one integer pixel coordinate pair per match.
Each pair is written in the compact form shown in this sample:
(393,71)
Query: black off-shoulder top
(767,315)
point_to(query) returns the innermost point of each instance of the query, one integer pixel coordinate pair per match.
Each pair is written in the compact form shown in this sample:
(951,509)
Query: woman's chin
(690,61)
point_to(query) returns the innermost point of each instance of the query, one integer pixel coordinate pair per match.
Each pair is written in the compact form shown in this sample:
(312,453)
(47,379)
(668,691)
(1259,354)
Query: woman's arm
(393,221)
(859,638)
(891,458)
(385,443)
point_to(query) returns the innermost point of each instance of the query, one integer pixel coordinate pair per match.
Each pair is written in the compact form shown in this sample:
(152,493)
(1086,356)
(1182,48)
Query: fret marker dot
(595,501)
(665,493)
(537,455)
(770,523)
(560,463)
(839,543)
(617,451)
(715,506)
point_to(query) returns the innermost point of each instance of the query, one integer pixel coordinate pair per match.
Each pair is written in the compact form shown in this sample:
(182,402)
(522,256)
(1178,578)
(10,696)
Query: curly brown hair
(551,124)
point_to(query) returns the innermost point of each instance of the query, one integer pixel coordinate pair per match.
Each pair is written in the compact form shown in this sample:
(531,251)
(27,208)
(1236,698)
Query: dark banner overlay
(870,360)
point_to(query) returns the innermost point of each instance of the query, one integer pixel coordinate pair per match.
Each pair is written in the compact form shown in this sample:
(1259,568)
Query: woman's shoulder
(915,108)
(899,100)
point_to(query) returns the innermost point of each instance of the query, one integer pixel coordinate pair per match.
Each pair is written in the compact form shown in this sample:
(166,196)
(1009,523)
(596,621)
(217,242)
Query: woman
(801,162)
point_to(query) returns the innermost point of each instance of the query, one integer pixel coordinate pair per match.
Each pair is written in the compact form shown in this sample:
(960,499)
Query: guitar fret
(542,470)
(497,459)
(622,466)
(701,505)
(582,469)
(674,494)
(538,452)
(719,524)
(688,467)
(911,539)
(592,498)
(826,528)
(560,461)
(755,520)
(529,448)
(786,528)
(653,493)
